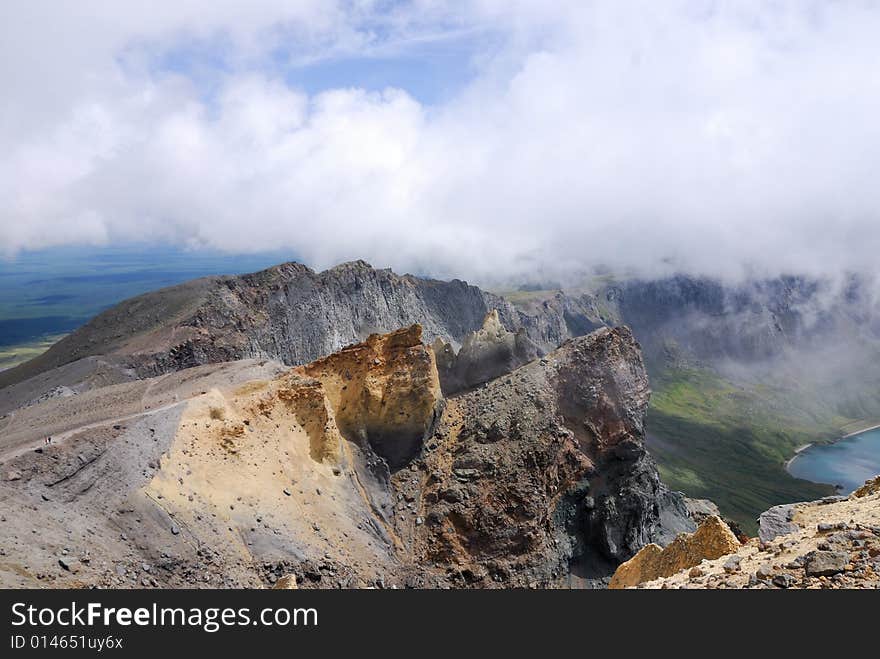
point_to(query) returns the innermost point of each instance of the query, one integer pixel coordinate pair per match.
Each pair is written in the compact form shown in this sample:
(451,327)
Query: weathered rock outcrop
(711,540)
(870,487)
(542,474)
(385,392)
(484,355)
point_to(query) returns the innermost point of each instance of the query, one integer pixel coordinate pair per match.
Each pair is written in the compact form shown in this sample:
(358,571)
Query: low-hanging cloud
(714,137)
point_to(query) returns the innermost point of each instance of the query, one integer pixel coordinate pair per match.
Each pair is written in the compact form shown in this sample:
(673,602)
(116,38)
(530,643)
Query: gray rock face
(825,563)
(747,322)
(604,396)
(639,511)
(561,435)
(700,509)
(702,317)
(484,355)
(294,315)
(775,522)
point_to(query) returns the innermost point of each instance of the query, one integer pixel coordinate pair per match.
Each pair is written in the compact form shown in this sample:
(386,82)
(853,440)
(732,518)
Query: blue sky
(432,72)
(431,76)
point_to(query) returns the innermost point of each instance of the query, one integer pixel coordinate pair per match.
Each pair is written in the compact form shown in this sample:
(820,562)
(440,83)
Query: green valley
(729,442)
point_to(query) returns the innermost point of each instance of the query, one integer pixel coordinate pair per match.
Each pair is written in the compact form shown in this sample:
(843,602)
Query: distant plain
(47,293)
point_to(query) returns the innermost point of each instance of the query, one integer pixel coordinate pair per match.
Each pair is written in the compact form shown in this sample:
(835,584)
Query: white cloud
(716,136)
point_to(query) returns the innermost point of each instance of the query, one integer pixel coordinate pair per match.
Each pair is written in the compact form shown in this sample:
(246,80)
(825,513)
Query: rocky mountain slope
(743,374)
(352,470)
(486,353)
(287,313)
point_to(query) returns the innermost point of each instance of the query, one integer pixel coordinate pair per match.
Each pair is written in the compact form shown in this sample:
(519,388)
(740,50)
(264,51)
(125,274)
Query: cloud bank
(713,137)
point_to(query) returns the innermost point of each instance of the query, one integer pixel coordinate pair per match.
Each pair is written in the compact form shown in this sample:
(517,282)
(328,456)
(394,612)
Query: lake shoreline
(875,426)
(831,469)
(799,450)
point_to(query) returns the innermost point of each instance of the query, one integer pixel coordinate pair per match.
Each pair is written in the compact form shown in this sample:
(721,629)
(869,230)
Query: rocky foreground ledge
(830,543)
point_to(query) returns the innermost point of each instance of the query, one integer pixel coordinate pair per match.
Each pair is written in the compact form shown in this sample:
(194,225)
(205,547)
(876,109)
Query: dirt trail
(60,438)
(64,417)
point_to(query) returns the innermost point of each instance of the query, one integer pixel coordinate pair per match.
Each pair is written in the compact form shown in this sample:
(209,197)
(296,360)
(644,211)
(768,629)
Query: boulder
(711,540)
(784,580)
(825,563)
(776,522)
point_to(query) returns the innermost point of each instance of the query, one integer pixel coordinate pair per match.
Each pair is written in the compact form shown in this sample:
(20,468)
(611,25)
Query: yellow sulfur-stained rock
(870,487)
(287,582)
(385,391)
(711,540)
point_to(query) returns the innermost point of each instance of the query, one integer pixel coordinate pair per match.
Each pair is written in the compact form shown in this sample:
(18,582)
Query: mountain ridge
(352,470)
(743,374)
(287,312)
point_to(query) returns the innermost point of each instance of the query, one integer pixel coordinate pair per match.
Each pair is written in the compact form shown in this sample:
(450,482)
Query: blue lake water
(847,463)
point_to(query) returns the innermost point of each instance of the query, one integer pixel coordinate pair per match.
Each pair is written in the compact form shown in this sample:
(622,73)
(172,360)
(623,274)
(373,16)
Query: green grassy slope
(729,442)
(16,354)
